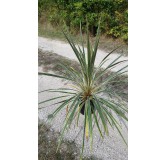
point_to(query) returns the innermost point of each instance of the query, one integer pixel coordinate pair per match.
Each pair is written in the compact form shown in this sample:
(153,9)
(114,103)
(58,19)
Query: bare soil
(47,145)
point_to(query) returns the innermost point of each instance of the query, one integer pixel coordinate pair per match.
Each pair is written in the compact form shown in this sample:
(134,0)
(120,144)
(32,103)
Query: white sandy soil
(62,48)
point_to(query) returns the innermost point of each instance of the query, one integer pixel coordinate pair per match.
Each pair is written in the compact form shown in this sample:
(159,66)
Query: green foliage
(113,14)
(84,95)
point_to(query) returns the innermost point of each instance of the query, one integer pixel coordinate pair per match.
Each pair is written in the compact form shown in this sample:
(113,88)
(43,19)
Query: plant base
(92,108)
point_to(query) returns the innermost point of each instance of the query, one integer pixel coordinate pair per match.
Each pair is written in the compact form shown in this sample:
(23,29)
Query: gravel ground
(111,148)
(64,49)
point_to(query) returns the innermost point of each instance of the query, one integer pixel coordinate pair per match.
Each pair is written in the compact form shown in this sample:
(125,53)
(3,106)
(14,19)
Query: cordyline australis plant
(84,95)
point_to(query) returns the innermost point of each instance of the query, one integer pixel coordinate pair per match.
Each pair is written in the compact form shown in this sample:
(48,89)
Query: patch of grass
(47,145)
(46,30)
(49,61)
(106,43)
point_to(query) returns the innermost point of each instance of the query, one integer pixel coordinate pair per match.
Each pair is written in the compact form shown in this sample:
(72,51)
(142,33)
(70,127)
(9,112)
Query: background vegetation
(113,14)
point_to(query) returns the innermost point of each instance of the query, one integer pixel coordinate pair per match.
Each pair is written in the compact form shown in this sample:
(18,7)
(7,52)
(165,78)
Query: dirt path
(64,49)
